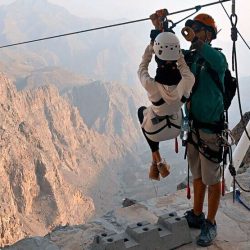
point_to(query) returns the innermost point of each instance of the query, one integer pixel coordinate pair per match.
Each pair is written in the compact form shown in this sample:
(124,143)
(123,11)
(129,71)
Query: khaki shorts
(200,166)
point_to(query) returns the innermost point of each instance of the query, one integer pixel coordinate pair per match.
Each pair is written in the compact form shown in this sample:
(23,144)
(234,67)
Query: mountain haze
(54,169)
(70,142)
(106,54)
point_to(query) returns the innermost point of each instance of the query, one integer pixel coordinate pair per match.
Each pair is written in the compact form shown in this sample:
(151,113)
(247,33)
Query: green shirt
(206,99)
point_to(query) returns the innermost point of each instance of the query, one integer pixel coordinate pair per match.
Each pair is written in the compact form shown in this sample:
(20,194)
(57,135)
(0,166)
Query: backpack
(230,86)
(230,82)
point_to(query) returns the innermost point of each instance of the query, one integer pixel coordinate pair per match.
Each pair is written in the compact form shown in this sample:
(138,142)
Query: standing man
(206,108)
(206,113)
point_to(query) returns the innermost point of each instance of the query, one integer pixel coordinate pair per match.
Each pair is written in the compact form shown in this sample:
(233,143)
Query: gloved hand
(154,34)
(188,34)
(158,17)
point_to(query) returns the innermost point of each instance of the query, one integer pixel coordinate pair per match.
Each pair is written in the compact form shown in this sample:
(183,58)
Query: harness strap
(161,101)
(212,155)
(168,124)
(216,127)
(158,103)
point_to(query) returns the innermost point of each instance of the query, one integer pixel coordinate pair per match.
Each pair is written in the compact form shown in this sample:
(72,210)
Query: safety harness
(203,148)
(158,119)
(220,128)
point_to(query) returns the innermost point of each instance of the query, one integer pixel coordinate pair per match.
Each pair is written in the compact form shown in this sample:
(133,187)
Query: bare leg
(199,195)
(214,193)
(156,156)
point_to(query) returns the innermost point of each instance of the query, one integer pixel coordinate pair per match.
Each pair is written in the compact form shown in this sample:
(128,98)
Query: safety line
(237,29)
(73,33)
(107,26)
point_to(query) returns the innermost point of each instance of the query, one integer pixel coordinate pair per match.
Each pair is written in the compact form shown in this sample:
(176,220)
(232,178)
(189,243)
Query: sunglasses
(197,27)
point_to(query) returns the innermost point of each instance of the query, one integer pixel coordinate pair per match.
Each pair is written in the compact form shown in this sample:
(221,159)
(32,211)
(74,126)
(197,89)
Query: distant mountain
(106,54)
(61,78)
(109,108)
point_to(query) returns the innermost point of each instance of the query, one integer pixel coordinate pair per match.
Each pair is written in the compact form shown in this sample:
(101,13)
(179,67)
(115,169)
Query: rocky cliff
(53,167)
(232,220)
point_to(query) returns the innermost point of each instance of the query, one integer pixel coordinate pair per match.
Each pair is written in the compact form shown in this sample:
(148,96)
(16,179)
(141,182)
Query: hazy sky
(138,9)
(133,10)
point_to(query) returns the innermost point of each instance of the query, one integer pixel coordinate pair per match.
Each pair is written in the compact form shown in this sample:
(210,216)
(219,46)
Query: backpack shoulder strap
(214,75)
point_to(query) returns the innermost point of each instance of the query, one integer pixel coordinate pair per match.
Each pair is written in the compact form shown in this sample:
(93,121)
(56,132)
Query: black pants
(154,146)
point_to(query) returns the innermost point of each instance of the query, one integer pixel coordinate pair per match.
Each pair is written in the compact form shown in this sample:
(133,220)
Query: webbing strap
(159,103)
(168,124)
(212,155)
(214,127)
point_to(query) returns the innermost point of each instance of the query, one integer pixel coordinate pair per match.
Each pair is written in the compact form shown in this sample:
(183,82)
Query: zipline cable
(107,26)
(72,33)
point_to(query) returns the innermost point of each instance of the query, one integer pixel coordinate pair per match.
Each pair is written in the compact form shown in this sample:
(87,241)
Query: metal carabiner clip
(225,141)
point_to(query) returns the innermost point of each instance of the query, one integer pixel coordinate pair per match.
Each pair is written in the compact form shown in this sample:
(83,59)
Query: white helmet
(167,46)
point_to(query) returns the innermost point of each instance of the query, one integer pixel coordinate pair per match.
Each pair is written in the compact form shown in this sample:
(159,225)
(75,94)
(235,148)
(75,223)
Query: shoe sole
(204,244)
(164,175)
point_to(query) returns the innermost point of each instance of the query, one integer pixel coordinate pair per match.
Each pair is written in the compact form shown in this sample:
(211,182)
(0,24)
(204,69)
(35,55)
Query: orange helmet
(205,20)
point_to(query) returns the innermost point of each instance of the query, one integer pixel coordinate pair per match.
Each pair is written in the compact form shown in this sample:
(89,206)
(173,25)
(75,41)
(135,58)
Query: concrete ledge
(163,235)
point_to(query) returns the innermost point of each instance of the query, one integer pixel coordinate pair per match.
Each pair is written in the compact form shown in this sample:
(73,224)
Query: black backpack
(230,85)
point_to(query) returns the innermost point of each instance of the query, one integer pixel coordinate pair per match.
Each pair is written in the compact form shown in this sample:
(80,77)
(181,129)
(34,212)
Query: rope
(243,189)
(233,19)
(238,91)
(198,7)
(233,172)
(237,193)
(72,33)
(237,30)
(234,31)
(155,189)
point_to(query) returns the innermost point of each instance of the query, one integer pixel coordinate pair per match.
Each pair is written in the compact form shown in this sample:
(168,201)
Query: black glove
(154,34)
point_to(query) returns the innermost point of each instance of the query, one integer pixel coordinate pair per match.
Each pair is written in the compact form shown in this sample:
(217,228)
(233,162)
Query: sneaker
(193,220)
(154,172)
(208,234)
(163,168)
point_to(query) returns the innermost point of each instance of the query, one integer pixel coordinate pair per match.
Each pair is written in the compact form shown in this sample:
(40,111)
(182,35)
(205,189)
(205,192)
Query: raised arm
(187,82)
(146,80)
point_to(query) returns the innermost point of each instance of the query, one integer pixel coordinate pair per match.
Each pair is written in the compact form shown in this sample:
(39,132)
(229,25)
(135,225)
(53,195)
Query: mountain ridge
(83,53)
(53,168)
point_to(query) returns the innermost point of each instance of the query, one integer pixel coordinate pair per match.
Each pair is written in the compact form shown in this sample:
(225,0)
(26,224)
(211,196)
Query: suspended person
(204,150)
(167,92)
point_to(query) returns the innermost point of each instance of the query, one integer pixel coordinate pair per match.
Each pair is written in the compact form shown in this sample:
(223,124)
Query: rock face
(108,108)
(107,54)
(35,154)
(53,167)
